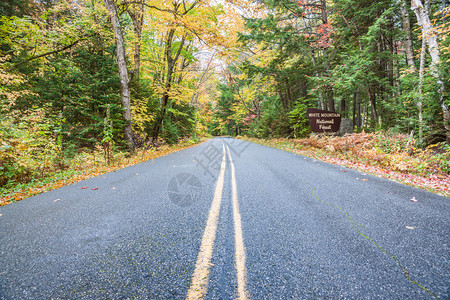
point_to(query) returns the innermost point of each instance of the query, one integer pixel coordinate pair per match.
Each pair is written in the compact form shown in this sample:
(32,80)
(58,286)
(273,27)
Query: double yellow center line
(200,278)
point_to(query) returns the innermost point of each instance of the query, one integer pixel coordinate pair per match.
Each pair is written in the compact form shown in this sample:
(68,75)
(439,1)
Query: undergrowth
(395,152)
(399,154)
(83,166)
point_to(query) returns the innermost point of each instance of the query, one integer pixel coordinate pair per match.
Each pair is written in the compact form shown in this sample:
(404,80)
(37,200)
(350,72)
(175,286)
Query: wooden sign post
(323,121)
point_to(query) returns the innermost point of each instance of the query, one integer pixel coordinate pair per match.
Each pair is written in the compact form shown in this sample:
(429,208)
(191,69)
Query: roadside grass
(396,157)
(84,166)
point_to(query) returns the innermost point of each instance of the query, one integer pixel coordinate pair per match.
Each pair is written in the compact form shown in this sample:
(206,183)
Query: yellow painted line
(200,278)
(238,237)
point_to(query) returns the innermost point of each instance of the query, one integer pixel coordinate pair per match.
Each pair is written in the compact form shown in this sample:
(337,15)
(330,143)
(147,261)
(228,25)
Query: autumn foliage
(393,156)
(83,166)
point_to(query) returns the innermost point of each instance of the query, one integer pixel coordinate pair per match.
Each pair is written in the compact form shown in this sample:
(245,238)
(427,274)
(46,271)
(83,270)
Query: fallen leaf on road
(413,199)
(344,171)
(365,179)
(94,189)
(84,187)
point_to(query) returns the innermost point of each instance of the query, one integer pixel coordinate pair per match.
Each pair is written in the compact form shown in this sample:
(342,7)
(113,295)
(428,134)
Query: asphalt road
(179,226)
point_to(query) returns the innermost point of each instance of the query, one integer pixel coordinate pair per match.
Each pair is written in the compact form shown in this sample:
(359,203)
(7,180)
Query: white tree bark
(123,71)
(430,37)
(428,33)
(420,102)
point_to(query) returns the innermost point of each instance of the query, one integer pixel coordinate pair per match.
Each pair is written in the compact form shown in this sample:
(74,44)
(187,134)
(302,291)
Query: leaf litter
(360,152)
(88,171)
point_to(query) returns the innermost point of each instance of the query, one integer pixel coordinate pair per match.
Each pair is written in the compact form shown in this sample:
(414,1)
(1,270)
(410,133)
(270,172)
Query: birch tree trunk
(430,37)
(420,102)
(123,72)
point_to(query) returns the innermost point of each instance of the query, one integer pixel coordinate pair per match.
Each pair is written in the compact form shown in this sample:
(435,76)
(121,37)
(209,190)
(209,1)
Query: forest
(106,78)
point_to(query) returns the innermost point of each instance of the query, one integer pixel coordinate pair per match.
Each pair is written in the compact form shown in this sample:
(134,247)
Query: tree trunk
(171,64)
(409,50)
(357,109)
(167,86)
(359,116)
(420,102)
(289,99)
(430,37)
(137,18)
(123,72)
(354,111)
(330,100)
(364,115)
(329,93)
(390,46)
(428,34)
(343,108)
(373,107)
(397,89)
(423,51)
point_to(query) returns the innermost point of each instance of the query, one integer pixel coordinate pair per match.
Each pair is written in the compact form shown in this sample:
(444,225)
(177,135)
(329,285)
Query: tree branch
(46,54)
(149,6)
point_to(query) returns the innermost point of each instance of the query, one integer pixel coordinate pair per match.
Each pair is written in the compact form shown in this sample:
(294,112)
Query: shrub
(27,146)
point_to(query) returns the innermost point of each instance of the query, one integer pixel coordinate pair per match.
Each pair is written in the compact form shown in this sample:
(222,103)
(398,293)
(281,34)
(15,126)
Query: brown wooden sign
(323,121)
